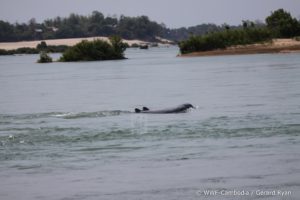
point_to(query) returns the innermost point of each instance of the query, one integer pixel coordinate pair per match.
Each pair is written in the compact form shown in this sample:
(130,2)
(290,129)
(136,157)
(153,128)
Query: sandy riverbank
(276,46)
(69,42)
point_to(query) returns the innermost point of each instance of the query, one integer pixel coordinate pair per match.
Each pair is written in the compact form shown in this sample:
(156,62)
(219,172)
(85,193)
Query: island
(280,34)
(95,50)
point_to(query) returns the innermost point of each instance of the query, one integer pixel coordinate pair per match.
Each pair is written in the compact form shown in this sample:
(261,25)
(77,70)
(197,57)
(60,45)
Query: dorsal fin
(145,109)
(137,110)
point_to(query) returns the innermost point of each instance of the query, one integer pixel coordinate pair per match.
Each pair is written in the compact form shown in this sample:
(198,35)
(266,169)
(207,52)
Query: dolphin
(179,109)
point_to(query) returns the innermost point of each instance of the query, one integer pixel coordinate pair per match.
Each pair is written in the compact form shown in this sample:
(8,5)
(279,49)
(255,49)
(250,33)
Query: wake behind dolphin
(179,109)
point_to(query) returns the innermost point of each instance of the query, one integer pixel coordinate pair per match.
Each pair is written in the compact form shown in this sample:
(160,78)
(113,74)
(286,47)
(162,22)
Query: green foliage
(42,46)
(6,31)
(95,50)
(44,58)
(23,50)
(118,46)
(138,27)
(279,24)
(51,48)
(97,24)
(56,48)
(221,40)
(283,24)
(4,52)
(76,26)
(183,33)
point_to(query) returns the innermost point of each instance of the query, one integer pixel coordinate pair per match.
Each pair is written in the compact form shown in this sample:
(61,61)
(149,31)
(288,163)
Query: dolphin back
(179,109)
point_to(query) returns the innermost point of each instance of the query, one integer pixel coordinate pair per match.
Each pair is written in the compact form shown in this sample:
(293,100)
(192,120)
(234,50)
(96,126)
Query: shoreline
(56,42)
(276,46)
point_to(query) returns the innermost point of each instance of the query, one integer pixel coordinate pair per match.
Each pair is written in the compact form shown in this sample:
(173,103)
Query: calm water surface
(67,130)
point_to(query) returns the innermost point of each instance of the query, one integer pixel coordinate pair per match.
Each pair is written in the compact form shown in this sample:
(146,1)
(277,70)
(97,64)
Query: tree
(118,46)
(283,24)
(97,17)
(6,31)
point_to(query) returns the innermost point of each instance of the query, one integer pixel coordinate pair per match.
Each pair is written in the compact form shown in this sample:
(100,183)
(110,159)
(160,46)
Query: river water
(68,131)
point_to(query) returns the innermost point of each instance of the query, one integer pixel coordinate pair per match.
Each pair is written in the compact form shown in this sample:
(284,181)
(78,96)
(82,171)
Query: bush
(221,40)
(44,58)
(95,50)
(118,46)
(25,50)
(4,52)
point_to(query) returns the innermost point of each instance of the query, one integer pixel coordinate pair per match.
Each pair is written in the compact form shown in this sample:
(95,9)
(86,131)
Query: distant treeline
(96,24)
(280,24)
